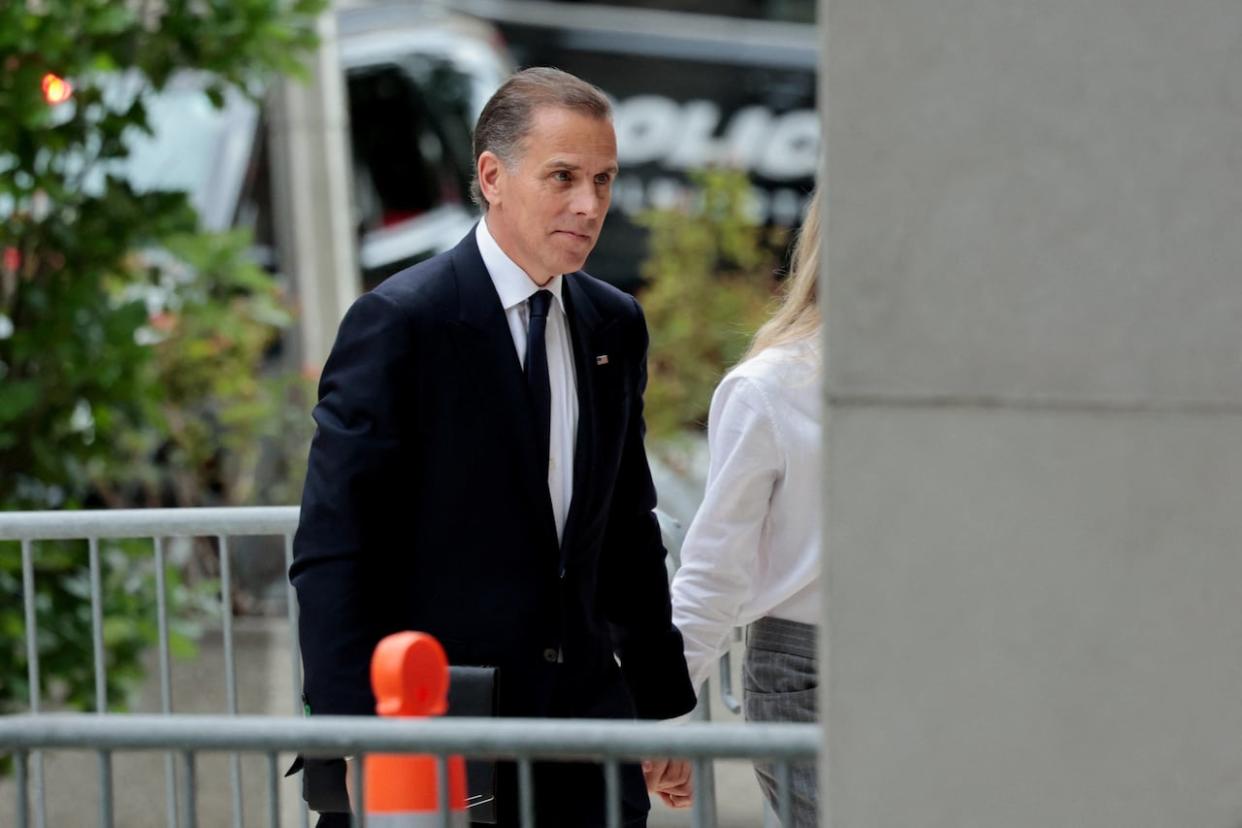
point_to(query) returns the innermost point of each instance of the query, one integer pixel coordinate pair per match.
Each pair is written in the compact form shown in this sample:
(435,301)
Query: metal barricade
(157,525)
(522,741)
(104,734)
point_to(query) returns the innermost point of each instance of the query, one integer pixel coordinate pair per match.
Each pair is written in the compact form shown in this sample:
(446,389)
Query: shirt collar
(512,283)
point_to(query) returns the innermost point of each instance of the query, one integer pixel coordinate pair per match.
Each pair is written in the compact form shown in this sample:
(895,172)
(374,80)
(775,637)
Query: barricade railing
(159,526)
(520,740)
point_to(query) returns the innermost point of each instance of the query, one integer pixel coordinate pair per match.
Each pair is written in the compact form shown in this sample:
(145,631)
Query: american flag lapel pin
(602,359)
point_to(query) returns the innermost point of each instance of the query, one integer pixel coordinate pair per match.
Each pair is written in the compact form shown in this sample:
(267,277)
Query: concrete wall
(1034,520)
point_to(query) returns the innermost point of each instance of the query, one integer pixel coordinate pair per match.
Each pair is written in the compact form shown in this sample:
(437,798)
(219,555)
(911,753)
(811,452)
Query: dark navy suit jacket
(425,508)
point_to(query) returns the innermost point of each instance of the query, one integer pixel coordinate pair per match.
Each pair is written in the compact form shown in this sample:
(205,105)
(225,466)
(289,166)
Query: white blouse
(753,548)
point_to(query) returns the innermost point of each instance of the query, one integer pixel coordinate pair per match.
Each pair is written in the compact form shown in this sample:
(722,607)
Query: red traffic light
(56,90)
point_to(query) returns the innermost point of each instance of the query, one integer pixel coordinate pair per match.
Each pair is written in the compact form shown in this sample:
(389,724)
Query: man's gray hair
(507,117)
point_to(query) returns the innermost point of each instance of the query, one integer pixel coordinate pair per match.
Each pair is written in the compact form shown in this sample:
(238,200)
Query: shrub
(100,398)
(710,279)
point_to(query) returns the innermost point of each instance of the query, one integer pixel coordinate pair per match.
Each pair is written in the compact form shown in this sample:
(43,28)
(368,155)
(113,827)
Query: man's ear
(489,170)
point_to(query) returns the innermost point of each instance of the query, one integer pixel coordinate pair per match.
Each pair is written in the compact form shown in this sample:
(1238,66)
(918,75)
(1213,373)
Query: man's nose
(588,202)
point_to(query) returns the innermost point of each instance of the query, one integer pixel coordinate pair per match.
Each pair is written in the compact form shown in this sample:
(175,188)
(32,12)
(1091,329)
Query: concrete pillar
(312,194)
(1033,542)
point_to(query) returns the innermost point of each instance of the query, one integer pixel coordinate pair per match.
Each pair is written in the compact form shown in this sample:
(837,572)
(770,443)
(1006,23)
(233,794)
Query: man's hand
(671,779)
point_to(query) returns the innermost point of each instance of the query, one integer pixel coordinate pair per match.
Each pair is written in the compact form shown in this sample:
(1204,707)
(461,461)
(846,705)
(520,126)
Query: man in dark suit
(478,469)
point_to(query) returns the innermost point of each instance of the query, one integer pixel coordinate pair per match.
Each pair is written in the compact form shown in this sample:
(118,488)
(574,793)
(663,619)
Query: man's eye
(561,175)
(603,180)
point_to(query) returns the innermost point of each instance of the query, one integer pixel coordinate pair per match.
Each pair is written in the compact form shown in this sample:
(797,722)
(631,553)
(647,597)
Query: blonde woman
(751,556)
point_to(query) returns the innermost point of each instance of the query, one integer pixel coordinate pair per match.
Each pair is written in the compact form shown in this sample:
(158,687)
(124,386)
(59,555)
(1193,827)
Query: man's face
(546,210)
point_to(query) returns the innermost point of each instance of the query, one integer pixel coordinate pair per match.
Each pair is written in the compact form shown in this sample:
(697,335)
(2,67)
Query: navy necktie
(537,371)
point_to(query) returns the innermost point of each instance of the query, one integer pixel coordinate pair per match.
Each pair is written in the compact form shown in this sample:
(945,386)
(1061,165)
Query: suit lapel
(583,324)
(484,338)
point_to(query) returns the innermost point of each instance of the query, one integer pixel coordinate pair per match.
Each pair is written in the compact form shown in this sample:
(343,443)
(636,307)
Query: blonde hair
(798,317)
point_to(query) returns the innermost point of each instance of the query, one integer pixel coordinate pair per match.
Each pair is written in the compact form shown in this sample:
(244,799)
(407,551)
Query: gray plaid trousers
(780,683)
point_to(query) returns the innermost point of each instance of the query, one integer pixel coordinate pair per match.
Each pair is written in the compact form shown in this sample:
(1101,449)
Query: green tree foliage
(131,343)
(710,277)
(215,427)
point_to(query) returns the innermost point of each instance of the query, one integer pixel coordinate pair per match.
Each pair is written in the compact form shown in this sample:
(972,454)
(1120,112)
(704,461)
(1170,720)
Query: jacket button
(549,655)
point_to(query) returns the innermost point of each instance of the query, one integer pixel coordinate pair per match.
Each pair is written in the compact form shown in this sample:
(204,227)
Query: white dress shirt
(752,549)
(515,288)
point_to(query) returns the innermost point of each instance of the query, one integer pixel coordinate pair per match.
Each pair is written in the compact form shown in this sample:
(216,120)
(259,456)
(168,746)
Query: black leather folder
(474,691)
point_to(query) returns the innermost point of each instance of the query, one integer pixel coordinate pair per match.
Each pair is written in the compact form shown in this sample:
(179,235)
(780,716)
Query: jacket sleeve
(720,555)
(347,509)
(633,577)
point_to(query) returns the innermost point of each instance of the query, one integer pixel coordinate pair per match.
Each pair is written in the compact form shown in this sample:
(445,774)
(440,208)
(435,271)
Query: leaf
(216,95)
(17,398)
(111,19)
(182,647)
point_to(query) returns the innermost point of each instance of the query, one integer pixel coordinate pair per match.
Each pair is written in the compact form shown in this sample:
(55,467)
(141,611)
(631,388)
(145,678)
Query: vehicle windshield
(194,147)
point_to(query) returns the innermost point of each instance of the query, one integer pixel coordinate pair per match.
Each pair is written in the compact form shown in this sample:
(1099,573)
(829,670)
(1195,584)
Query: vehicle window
(194,145)
(407,144)
(450,97)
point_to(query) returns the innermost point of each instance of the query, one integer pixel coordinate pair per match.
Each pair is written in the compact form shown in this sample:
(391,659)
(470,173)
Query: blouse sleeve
(720,555)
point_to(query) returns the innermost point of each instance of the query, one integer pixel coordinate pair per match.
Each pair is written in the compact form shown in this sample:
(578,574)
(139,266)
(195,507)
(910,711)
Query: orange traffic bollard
(410,677)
